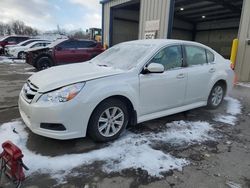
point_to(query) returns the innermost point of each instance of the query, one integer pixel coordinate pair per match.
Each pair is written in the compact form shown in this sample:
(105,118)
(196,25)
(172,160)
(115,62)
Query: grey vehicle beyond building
(130,83)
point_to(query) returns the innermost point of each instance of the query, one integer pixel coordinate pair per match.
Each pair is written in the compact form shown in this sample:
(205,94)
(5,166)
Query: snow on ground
(244,84)
(4,59)
(130,151)
(233,109)
(185,132)
(227,119)
(19,72)
(233,106)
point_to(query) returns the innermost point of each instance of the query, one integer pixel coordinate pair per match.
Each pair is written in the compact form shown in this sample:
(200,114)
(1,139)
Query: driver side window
(169,57)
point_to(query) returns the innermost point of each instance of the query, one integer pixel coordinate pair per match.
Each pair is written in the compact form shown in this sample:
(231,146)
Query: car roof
(36,42)
(35,39)
(82,40)
(164,42)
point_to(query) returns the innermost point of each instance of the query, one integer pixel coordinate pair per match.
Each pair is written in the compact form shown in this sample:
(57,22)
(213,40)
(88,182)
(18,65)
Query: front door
(65,52)
(162,91)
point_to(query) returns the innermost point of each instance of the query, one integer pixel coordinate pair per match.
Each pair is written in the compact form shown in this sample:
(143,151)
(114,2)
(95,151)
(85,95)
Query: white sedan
(130,83)
(19,51)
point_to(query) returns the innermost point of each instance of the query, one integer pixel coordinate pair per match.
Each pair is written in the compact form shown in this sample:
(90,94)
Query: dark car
(63,52)
(11,40)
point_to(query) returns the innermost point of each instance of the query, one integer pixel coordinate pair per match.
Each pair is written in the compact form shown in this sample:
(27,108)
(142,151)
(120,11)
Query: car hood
(10,45)
(56,77)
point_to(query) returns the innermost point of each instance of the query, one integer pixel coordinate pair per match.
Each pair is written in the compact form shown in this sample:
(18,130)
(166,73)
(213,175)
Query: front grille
(29,91)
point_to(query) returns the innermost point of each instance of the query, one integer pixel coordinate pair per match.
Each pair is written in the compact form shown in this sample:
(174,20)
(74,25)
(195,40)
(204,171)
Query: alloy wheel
(22,55)
(110,121)
(217,95)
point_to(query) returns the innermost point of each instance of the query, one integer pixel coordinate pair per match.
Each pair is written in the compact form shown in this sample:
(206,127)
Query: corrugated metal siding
(107,7)
(154,10)
(149,10)
(242,62)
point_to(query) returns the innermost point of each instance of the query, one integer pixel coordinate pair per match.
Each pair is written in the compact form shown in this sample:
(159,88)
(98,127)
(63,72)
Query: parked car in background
(24,43)
(13,39)
(63,52)
(20,51)
(130,83)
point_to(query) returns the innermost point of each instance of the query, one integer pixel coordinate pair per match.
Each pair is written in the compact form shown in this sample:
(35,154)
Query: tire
(21,55)
(43,63)
(216,96)
(102,128)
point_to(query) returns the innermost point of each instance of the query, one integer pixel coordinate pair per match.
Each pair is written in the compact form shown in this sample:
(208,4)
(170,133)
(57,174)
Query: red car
(11,40)
(63,52)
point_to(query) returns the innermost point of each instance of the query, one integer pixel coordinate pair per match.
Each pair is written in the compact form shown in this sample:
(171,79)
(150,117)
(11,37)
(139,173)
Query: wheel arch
(223,83)
(131,109)
(42,56)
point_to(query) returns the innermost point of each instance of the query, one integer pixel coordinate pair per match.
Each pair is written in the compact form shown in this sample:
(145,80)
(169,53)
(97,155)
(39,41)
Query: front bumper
(72,114)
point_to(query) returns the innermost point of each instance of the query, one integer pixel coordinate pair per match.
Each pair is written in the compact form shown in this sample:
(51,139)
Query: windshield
(122,56)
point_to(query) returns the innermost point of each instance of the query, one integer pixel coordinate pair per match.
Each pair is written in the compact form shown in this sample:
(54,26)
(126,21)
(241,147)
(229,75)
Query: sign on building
(152,25)
(151,28)
(150,35)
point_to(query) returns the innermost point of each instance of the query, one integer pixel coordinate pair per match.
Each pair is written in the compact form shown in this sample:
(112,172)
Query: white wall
(154,10)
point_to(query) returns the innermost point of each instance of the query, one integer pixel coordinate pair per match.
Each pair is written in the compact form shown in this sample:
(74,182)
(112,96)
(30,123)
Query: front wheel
(216,96)
(108,120)
(43,63)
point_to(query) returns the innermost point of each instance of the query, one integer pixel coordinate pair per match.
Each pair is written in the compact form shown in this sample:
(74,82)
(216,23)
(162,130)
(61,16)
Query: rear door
(199,72)
(65,52)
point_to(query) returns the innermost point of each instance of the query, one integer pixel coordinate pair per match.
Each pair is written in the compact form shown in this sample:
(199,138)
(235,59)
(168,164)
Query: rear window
(195,55)
(68,44)
(86,44)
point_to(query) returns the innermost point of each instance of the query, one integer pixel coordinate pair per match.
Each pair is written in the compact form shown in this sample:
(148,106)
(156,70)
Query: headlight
(63,94)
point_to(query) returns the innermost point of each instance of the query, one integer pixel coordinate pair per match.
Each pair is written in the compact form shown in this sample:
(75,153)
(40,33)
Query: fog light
(53,126)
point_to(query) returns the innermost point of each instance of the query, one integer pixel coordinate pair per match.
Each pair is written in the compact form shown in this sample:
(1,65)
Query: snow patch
(233,109)
(244,84)
(227,119)
(233,106)
(130,151)
(4,59)
(182,132)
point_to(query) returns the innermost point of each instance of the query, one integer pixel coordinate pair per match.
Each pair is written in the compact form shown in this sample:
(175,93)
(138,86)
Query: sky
(47,14)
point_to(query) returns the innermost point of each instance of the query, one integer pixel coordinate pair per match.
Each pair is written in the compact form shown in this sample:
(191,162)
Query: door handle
(180,76)
(212,70)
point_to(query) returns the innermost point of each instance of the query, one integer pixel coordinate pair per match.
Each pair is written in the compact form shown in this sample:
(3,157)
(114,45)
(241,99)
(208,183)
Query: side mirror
(154,68)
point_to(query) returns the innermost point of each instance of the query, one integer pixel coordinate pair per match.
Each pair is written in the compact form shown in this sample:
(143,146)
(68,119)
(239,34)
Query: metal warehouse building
(212,22)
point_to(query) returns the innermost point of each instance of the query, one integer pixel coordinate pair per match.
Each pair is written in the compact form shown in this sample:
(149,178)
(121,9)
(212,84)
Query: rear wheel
(43,63)
(108,120)
(216,96)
